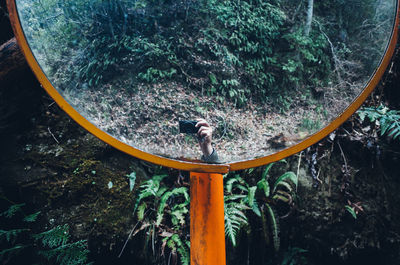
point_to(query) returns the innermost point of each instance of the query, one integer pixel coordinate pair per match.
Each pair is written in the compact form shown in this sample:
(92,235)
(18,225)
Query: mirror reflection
(264,74)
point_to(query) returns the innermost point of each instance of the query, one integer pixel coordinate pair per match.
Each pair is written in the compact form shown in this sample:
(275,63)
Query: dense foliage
(237,50)
(162,210)
(19,243)
(387,120)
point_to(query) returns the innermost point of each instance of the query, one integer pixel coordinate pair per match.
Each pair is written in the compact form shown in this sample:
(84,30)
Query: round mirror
(270,77)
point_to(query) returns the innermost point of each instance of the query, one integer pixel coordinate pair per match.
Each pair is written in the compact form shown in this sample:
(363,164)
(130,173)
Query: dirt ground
(146,117)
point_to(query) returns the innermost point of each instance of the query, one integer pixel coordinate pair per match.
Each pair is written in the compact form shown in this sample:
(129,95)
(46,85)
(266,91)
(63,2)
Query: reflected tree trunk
(310,8)
(12,60)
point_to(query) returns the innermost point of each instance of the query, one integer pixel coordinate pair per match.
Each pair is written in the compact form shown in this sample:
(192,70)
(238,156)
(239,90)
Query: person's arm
(204,136)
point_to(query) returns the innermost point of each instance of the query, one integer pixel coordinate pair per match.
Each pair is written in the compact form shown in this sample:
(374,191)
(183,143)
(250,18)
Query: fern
(234,216)
(266,171)
(11,235)
(251,196)
(292,256)
(154,204)
(178,213)
(31,218)
(284,177)
(52,244)
(12,210)
(10,252)
(68,254)
(264,186)
(236,182)
(274,227)
(182,249)
(57,236)
(241,197)
(165,197)
(150,188)
(65,253)
(141,210)
(389,120)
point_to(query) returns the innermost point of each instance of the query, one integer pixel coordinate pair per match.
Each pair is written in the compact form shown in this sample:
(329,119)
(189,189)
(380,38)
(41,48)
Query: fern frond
(12,210)
(264,175)
(163,201)
(68,254)
(161,191)
(229,185)
(251,196)
(264,186)
(150,188)
(389,120)
(256,209)
(291,256)
(10,235)
(141,196)
(55,237)
(286,176)
(279,197)
(274,227)
(31,218)
(140,212)
(286,185)
(234,219)
(266,170)
(178,213)
(13,251)
(182,250)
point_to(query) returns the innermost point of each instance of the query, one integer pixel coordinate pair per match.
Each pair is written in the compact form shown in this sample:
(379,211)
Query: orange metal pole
(207,230)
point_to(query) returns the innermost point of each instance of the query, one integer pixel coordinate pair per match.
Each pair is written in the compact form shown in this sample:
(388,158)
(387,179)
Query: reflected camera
(187,126)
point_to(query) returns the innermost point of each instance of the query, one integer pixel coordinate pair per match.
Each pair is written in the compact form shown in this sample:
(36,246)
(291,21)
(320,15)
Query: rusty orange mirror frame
(198,166)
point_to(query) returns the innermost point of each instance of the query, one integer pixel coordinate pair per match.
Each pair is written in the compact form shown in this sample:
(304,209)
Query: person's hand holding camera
(204,134)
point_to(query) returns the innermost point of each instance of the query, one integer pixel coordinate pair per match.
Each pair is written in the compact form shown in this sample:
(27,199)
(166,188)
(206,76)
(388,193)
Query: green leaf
(264,186)
(266,170)
(286,185)
(132,180)
(213,79)
(351,211)
(32,217)
(251,195)
(140,211)
(256,209)
(286,176)
(274,227)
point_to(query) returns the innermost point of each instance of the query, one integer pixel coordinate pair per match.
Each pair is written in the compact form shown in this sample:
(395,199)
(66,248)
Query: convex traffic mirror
(271,77)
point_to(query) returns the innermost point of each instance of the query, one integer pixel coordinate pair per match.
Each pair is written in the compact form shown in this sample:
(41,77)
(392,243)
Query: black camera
(187,126)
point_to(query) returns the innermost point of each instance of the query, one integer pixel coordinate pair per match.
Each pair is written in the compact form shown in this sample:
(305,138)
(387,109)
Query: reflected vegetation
(265,74)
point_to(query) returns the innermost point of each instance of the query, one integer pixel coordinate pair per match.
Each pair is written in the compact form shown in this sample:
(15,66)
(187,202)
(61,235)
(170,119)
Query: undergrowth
(260,199)
(20,243)
(162,210)
(387,120)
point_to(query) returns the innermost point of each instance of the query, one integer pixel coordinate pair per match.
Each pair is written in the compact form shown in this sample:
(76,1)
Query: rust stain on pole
(207,230)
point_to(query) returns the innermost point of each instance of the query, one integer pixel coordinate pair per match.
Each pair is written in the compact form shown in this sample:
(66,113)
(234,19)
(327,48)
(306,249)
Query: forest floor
(146,116)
